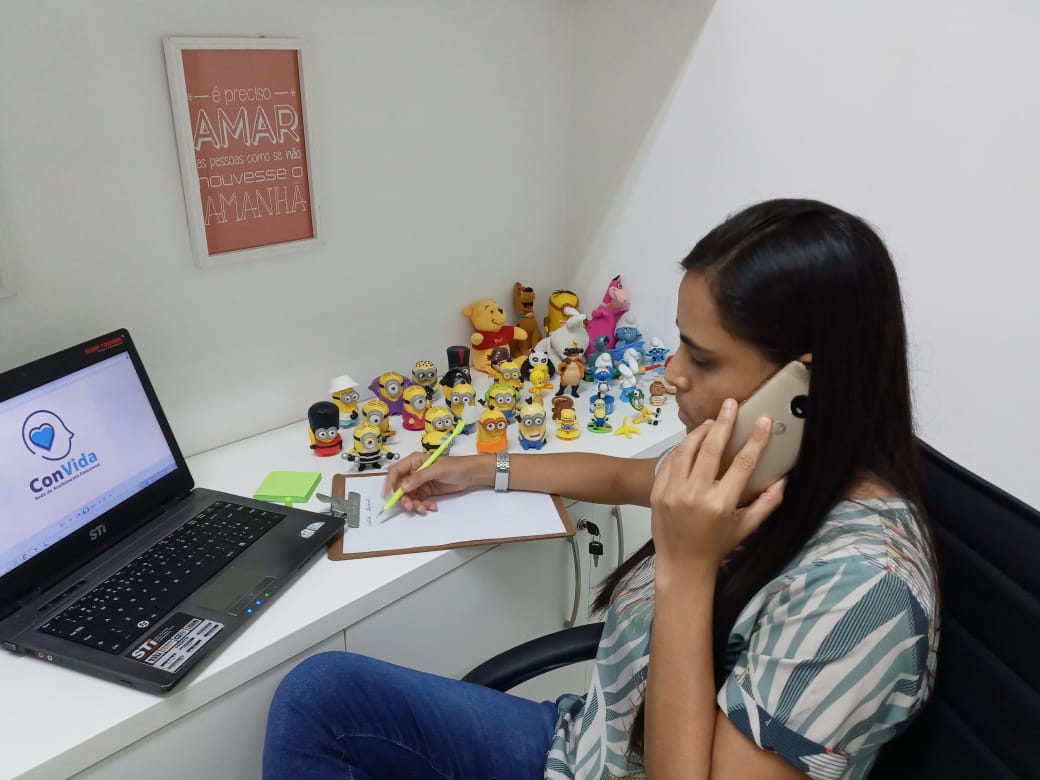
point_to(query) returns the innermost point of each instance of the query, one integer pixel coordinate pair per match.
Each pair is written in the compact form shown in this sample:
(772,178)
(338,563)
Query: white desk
(56,723)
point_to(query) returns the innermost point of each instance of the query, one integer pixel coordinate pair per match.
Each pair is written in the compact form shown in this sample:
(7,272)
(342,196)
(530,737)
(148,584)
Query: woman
(792,636)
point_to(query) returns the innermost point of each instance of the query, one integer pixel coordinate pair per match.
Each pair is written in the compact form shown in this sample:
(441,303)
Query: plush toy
(559,302)
(604,319)
(523,305)
(572,334)
(489,331)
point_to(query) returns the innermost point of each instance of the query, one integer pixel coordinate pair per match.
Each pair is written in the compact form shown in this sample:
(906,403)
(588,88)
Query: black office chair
(983,720)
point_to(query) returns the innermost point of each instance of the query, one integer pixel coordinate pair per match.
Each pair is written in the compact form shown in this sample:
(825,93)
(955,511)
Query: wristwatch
(501,472)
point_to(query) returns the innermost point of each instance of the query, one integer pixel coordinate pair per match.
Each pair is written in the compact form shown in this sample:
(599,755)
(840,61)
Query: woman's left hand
(695,520)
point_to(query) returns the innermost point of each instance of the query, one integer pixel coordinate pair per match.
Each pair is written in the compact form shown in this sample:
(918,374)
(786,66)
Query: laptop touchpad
(231,589)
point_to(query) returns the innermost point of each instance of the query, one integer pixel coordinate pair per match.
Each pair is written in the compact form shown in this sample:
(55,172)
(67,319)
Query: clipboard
(517,516)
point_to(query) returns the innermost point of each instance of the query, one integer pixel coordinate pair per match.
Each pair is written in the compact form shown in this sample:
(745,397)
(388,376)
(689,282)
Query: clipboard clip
(348,508)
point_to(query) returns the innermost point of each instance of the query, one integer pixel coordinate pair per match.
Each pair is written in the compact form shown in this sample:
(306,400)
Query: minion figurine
(509,374)
(388,387)
(491,431)
(459,397)
(598,423)
(503,397)
(439,423)
(567,425)
(413,408)
(377,413)
(344,394)
(531,425)
(323,422)
(368,450)
(424,374)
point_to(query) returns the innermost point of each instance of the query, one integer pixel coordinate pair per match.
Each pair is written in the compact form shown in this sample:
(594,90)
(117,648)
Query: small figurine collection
(604,350)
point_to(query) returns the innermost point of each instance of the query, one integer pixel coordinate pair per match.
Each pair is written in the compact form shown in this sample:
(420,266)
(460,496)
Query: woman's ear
(807,359)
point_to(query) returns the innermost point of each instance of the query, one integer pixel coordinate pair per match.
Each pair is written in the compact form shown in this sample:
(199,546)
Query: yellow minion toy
(368,450)
(460,396)
(413,409)
(503,397)
(439,423)
(491,431)
(531,425)
(344,394)
(377,413)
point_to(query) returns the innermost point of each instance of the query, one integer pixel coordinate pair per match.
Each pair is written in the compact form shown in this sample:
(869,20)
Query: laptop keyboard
(132,600)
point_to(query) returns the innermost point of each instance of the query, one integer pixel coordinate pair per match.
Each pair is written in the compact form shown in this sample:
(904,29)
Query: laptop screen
(73,449)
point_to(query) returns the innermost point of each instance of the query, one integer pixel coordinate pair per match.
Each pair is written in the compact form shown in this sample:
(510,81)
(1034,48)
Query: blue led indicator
(250,610)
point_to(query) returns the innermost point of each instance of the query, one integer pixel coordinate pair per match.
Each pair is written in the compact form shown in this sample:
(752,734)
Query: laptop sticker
(171,645)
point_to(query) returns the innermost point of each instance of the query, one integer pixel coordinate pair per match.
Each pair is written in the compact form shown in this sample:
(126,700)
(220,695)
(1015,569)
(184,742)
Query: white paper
(474,515)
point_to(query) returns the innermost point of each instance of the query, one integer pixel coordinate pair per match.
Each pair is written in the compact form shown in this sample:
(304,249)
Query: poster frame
(173,47)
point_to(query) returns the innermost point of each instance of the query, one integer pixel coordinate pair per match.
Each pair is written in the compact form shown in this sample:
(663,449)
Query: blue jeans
(341,715)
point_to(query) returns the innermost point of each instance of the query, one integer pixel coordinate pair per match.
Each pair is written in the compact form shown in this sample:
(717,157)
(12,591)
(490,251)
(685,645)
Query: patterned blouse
(832,658)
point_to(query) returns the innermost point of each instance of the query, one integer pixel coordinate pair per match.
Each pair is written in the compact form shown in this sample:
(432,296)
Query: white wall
(440,135)
(922,118)
(461,145)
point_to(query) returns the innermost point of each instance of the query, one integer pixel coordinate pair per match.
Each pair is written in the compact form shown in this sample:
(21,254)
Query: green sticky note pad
(288,487)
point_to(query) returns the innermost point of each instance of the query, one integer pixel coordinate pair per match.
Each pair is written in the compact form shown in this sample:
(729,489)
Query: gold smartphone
(784,398)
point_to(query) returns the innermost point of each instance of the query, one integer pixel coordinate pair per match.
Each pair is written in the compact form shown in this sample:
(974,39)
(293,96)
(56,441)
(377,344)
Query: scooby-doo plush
(523,305)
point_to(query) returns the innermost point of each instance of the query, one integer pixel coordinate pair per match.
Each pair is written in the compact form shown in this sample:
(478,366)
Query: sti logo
(46,435)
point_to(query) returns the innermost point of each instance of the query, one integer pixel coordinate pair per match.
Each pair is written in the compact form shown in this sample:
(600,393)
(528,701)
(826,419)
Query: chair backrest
(983,720)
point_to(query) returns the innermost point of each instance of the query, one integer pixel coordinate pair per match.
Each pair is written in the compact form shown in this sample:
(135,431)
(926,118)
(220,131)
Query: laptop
(111,561)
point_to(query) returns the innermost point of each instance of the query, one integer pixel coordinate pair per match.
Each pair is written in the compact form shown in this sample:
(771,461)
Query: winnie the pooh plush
(489,331)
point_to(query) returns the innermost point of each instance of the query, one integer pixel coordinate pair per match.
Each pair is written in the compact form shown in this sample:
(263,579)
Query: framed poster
(242,136)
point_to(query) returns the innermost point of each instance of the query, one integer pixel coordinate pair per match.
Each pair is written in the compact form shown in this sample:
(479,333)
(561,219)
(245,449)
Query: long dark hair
(790,277)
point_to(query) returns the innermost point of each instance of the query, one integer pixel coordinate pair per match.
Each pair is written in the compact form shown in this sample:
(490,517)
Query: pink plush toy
(604,317)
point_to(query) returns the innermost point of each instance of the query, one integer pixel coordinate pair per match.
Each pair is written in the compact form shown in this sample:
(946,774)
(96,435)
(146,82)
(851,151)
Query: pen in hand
(396,496)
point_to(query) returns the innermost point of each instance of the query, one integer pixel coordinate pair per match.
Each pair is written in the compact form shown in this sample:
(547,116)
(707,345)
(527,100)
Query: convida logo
(45,434)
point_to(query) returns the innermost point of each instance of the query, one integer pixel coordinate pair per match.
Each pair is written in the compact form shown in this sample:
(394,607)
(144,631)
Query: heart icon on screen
(43,436)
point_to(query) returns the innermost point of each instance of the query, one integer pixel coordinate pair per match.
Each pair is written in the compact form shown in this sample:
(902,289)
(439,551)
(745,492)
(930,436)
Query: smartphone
(784,398)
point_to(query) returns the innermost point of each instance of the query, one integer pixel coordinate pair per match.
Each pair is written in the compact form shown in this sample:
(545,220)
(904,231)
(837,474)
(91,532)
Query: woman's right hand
(443,477)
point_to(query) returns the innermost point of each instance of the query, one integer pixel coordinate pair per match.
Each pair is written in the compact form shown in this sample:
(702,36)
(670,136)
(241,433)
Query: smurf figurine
(461,398)
(598,423)
(503,398)
(388,387)
(531,425)
(424,374)
(656,354)
(602,375)
(323,422)
(626,334)
(344,394)
(458,368)
(413,408)
(567,425)
(572,370)
(628,368)
(377,413)
(439,423)
(368,451)
(491,431)
(604,319)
